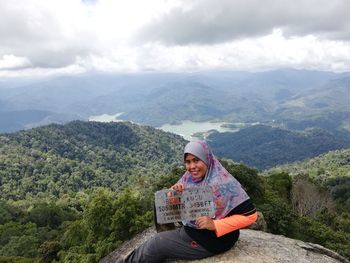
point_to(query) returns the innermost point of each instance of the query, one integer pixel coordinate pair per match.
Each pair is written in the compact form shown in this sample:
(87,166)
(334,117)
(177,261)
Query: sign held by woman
(191,203)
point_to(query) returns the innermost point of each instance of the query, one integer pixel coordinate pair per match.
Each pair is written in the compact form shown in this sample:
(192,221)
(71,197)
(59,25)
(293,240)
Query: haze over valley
(287,98)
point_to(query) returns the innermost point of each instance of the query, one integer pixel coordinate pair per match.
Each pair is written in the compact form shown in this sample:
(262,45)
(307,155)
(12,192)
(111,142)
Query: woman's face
(195,166)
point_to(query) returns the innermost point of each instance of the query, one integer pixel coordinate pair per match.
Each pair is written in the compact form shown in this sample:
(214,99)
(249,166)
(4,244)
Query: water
(187,128)
(106,117)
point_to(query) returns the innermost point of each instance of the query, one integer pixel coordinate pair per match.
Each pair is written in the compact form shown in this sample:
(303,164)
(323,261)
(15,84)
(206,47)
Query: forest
(262,146)
(75,192)
(64,159)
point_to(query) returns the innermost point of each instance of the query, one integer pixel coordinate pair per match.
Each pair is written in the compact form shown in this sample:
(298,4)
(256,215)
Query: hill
(329,165)
(263,146)
(79,156)
(333,96)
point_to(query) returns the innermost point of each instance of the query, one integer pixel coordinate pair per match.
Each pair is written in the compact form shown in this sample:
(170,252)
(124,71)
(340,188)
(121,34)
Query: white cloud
(210,21)
(41,72)
(13,62)
(271,51)
(73,36)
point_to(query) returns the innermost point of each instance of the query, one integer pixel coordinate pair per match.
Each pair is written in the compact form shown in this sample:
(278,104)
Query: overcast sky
(45,37)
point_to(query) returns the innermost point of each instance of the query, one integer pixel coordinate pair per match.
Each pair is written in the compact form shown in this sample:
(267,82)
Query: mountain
(193,101)
(67,98)
(11,121)
(331,121)
(79,156)
(159,98)
(334,96)
(263,147)
(17,120)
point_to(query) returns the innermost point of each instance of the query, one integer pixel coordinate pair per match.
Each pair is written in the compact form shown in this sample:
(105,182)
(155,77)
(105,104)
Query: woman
(205,236)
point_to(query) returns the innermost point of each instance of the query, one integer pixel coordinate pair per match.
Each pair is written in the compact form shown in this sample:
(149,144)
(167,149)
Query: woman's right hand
(173,199)
(179,187)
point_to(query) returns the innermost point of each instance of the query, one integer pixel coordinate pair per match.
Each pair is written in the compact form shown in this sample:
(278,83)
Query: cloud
(58,33)
(211,21)
(13,62)
(73,36)
(268,52)
(48,33)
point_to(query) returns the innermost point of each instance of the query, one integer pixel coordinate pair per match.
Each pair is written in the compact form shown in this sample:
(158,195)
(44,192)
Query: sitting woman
(205,236)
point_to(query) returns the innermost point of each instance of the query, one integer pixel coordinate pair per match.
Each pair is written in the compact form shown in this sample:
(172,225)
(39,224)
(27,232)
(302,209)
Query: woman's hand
(173,199)
(205,222)
(179,187)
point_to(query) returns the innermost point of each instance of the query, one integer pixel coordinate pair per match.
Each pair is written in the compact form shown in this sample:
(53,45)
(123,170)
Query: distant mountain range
(284,96)
(332,97)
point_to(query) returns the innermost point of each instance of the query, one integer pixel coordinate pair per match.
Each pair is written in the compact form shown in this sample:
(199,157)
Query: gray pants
(174,244)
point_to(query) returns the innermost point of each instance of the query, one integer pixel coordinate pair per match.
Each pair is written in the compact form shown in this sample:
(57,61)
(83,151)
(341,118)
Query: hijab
(227,191)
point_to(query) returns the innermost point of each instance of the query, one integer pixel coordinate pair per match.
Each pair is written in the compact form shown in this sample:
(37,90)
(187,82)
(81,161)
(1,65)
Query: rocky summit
(252,246)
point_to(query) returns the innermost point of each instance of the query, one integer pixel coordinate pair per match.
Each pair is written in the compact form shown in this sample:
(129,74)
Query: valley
(81,156)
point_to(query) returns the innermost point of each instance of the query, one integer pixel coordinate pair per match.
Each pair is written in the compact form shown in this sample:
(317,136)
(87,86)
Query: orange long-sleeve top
(232,223)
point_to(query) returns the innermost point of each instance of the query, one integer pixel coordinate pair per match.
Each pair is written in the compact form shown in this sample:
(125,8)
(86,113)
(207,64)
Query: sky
(53,37)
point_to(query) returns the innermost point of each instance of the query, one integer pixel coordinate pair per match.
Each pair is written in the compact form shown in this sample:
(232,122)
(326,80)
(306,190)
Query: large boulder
(252,247)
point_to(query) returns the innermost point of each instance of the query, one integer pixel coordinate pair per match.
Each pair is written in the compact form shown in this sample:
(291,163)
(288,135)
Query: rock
(252,246)
(260,223)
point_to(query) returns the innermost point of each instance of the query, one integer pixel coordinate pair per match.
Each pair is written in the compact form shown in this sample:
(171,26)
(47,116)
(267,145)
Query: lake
(186,128)
(106,117)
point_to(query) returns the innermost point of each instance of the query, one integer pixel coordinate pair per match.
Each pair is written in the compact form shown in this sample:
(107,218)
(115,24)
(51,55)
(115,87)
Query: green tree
(248,177)
(130,216)
(280,183)
(312,231)
(48,251)
(279,216)
(44,214)
(5,215)
(75,234)
(98,214)
(24,245)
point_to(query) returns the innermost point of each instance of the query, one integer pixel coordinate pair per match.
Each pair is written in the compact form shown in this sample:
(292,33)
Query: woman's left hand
(205,222)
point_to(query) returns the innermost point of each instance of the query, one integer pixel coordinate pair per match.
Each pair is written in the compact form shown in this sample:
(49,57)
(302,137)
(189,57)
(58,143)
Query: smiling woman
(195,166)
(205,236)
